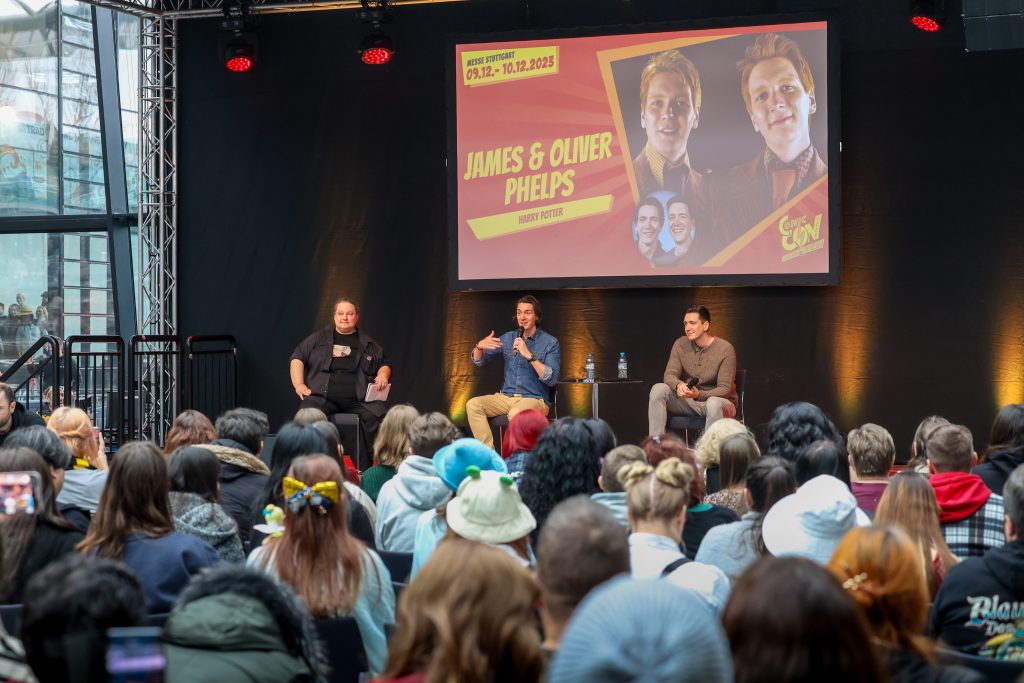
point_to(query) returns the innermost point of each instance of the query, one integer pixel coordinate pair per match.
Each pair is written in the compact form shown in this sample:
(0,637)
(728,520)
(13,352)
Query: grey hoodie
(415,489)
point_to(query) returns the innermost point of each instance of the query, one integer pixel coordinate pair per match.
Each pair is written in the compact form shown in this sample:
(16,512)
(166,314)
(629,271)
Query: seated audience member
(84,482)
(880,569)
(390,447)
(13,415)
(706,449)
(333,573)
(309,416)
(613,493)
(238,624)
(794,426)
(451,463)
(31,540)
(488,509)
(604,437)
(316,418)
(133,524)
(566,462)
(332,437)
(822,457)
(971,515)
(909,503)
(519,439)
(788,619)
(918,462)
(734,547)
(1006,448)
(810,522)
(468,616)
(628,630)
(242,474)
(58,458)
(581,547)
(292,442)
(190,428)
(415,488)
(195,507)
(735,454)
(68,608)
(981,596)
(700,517)
(657,498)
(871,455)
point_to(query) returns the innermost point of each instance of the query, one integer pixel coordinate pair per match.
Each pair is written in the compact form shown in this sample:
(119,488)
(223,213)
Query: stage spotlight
(238,44)
(928,15)
(376,47)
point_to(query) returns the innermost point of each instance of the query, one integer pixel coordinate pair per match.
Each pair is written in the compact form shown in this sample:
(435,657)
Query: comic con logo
(800,236)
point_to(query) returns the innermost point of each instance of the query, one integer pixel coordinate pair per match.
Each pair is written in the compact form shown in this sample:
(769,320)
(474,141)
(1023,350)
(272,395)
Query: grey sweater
(713,366)
(209,522)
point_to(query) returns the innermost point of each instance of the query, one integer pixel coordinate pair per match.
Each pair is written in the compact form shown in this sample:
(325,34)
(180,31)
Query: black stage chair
(686,423)
(399,564)
(346,423)
(398,588)
(500,422)
(344,648)
(10,615)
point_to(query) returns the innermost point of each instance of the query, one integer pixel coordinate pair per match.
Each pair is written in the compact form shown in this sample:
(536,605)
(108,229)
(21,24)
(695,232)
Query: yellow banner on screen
(538,217)
(486,67)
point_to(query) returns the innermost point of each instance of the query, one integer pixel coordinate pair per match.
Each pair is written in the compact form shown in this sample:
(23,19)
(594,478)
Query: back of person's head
(332,439)
(581,546)
(768,480)
(656,493)
(316,555)
(950,448)
(392,442)
(788,619)
(909,503)
(135,499)
(735,455)
(244,426)
(68,607)
(1013,501)
(871,449)
(429,432)
(195,470)
(190,427)
(921,434)
(660,448)
(614,461)
(75,429)
(524,428)
(632,630)
(309,416)
(706,450)
(794,426)
(201,607)
(468,616)
(293,440)
(604,437)
(565,462)
(818,458)
(44,442)
(1007,430)
(882,570)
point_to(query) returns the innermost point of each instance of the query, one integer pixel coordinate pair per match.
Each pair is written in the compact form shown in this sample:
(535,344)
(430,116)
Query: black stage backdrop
(316,175)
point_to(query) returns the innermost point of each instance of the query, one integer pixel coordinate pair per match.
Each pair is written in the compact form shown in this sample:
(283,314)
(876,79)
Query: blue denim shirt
(520,377)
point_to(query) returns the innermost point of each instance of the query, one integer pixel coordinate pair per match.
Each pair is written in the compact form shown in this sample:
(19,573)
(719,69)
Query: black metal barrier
(211,373)
(94,382)
(34,374)
(154,373)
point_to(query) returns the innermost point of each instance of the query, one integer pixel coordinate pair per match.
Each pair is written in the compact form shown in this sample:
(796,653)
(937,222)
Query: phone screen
(135,655)
(17,492)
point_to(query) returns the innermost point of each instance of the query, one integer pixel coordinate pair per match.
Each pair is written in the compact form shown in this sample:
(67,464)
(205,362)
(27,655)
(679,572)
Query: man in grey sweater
(700,378)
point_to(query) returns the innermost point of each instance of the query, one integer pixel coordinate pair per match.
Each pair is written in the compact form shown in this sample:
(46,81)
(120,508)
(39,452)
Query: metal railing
(94,381)
(34,373)
(211,374)
(154,403)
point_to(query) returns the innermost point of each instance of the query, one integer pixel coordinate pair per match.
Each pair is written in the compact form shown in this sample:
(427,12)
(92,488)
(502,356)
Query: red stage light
(925,23)
(239,64)
(377,55)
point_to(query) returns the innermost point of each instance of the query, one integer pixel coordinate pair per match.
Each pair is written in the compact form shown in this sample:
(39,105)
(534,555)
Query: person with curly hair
(794,426)
(708,446)
(565,462)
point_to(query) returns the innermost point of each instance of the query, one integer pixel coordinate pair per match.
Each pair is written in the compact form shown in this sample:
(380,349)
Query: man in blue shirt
(533,360)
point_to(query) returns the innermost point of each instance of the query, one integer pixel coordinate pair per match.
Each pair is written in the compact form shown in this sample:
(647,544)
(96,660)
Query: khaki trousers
(479,408)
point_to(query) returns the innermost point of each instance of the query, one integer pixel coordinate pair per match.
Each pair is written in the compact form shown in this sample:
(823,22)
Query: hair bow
(320,495)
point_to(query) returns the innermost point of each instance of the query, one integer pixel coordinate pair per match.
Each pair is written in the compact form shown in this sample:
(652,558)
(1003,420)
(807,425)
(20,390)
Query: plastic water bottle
(623,367)
(590,368)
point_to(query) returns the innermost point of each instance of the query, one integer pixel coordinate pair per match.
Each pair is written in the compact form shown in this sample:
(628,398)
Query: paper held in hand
(375,394)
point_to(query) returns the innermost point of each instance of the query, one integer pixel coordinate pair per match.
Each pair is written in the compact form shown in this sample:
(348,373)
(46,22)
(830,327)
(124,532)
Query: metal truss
(187,9)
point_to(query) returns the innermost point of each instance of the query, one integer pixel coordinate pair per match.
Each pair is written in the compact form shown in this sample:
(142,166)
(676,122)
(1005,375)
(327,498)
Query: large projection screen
(680,157)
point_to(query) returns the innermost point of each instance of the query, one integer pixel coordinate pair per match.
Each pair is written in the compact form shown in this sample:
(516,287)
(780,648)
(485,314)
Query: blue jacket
(166,564)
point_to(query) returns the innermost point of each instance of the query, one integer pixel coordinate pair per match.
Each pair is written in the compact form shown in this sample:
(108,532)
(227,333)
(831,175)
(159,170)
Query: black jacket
(980,598)
(315,354)
(22,418)
(242,478)
(997,470)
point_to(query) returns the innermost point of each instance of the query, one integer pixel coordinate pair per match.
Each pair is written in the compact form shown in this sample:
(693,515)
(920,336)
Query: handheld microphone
(692,382)
(519,335)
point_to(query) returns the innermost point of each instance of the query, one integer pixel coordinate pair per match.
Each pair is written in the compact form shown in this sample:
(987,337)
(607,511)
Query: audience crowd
(563,557)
